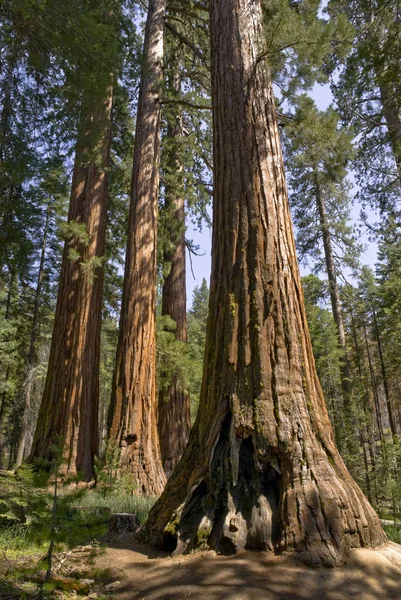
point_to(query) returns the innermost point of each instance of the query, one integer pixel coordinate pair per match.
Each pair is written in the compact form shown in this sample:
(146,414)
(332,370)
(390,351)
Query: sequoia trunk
(69,410)
(174,419)
(261,468)
(132,416)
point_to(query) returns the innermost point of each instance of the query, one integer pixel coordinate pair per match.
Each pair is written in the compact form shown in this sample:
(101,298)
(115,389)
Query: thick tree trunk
(334,297)
(174,418)
(31,361)
(261,468)
(132,416)
(69,410)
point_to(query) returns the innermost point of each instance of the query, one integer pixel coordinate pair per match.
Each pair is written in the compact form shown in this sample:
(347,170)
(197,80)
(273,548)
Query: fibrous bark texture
(174,418)
(132,416)
(68,413)
(261,468)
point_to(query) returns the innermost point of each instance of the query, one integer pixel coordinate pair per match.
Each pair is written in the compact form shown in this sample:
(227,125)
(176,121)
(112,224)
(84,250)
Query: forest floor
(139,573)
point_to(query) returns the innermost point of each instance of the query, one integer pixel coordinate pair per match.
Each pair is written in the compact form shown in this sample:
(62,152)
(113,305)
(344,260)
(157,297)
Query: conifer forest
(161,418)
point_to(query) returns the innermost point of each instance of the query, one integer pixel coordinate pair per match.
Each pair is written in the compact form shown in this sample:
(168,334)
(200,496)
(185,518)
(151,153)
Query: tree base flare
(245,502)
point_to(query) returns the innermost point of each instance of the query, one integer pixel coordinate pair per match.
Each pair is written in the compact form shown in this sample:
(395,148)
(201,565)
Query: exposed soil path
(144,574)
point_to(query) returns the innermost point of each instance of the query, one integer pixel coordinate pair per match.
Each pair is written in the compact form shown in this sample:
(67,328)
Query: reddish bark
(132,416)
(69,410)
(261,468)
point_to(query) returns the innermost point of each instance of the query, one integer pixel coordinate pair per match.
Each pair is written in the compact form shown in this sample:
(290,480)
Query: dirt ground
(139,573)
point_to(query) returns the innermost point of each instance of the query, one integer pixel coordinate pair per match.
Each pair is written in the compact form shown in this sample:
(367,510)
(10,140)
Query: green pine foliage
(172,358)
(389,297)
(366,88)
(325,349)
(33,515)
(197,322)
(376,454)
(300,42)
(318,153)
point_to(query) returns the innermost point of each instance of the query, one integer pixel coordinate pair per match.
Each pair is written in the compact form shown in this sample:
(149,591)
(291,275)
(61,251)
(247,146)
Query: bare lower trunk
(132,415)
(174,419)
(31,361)
(261,468)
(69,410)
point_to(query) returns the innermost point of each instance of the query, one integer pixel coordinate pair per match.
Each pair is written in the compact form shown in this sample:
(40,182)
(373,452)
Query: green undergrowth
(393,533)
(118,502)
(40,513)
(39,522)
(16,541)
(24,580)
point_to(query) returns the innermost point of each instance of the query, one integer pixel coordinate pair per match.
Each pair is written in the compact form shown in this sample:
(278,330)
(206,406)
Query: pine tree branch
(186,41)
(187,13)
(188,104)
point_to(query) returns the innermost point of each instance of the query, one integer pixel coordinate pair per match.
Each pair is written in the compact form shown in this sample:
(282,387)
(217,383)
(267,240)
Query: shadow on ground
(147,574)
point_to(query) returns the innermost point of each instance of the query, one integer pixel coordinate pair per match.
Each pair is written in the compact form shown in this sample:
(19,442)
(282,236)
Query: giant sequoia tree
(69,408)
(261,468)
(132,416)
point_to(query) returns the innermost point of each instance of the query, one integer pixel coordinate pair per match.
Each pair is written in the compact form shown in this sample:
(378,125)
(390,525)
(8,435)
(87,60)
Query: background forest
(69,83)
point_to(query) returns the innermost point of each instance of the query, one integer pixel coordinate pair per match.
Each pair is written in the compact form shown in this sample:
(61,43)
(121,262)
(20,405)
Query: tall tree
(63,55)
(318,154)
(69,408)
(369,291)
(261,468)
(19,207)
(174,420)
(52,192)
(326,350)
(132,413)
(368,95)
(31,360)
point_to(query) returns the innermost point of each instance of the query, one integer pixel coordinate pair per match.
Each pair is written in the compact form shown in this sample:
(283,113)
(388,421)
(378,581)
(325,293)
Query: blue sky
(201,264)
